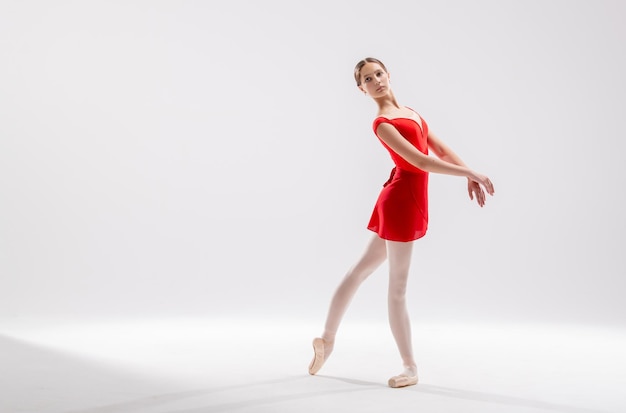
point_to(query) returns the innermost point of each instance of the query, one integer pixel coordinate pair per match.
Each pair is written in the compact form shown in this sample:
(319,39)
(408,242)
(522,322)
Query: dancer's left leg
(399,256)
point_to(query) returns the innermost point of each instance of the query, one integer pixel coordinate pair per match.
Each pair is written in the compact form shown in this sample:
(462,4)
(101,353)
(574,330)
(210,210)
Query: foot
(407,378)
(322,349)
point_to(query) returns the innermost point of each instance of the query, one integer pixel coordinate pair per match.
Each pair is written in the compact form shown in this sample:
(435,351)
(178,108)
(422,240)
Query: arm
(444,153)
(411,154)
(449,164)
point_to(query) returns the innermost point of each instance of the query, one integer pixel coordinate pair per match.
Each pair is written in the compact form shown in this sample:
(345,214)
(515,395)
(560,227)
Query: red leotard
(401,211)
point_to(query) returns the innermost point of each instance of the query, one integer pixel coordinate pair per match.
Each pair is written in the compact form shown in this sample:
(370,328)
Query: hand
(474,188)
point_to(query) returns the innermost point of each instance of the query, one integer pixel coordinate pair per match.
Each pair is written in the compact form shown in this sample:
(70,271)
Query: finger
(489,187)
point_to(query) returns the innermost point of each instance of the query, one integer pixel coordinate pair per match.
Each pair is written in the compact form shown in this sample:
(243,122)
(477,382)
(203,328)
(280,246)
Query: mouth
(380,89)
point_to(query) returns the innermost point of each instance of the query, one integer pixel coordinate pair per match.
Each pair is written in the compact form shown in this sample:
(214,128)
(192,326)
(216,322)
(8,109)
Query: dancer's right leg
(374,255)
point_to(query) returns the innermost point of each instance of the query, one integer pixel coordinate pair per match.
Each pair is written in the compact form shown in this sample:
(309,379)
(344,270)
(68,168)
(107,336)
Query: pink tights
(399,255)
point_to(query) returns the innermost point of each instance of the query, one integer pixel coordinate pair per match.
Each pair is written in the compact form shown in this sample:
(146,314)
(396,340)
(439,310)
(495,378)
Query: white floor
(207,365)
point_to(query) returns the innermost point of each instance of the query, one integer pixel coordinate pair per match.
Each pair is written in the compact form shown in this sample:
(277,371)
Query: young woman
(400,215)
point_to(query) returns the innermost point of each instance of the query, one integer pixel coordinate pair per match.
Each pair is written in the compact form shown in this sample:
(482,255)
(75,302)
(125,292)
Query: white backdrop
(164,158)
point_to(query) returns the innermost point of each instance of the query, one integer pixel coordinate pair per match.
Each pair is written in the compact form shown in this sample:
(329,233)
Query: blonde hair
(359,66)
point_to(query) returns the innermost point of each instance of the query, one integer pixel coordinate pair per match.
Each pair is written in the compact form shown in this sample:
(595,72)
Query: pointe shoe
(402,381)
(318,358)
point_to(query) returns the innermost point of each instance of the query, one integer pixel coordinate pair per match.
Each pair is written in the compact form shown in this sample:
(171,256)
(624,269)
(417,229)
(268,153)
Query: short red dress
(401,211)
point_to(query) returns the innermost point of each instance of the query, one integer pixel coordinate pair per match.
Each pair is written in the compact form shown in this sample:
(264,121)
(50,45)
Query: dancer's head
(359,67)
(372,77)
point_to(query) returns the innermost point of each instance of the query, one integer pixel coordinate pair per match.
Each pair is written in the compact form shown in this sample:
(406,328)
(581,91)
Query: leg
(374,255)
(399,262)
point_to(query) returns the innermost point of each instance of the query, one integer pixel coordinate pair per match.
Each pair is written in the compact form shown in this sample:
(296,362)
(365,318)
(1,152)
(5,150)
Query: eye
(367,79)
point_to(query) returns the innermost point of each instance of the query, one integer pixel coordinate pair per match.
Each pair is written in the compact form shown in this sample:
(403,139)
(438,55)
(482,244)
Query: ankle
(329,343)
(410,370)
(328,338)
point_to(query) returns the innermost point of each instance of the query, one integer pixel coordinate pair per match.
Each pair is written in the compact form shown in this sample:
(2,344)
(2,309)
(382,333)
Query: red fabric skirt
(401,211)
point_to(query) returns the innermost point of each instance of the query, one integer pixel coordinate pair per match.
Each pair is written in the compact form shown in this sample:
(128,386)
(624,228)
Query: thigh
(375,254)
(399,255)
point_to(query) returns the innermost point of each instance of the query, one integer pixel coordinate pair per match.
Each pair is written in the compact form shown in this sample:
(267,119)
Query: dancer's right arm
(392,138)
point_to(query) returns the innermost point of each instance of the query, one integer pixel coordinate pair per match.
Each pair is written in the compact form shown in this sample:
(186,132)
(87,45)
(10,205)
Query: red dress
(401,211)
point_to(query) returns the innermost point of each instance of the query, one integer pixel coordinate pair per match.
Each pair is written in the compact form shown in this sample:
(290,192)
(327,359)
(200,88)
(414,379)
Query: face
(374,80)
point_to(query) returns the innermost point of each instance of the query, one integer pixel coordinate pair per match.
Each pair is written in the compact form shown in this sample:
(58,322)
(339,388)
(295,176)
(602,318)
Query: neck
(387,102)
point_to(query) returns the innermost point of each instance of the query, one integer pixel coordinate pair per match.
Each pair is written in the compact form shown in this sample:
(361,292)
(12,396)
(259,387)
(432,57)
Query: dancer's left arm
(443,152)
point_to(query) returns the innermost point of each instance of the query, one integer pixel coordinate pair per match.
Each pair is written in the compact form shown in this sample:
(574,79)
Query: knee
(397,293)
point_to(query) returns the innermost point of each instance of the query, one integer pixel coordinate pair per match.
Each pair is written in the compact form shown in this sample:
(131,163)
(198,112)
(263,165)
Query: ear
(361,89)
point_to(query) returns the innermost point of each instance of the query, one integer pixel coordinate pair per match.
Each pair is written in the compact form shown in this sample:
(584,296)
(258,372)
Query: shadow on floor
(251,399)
(42,380)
